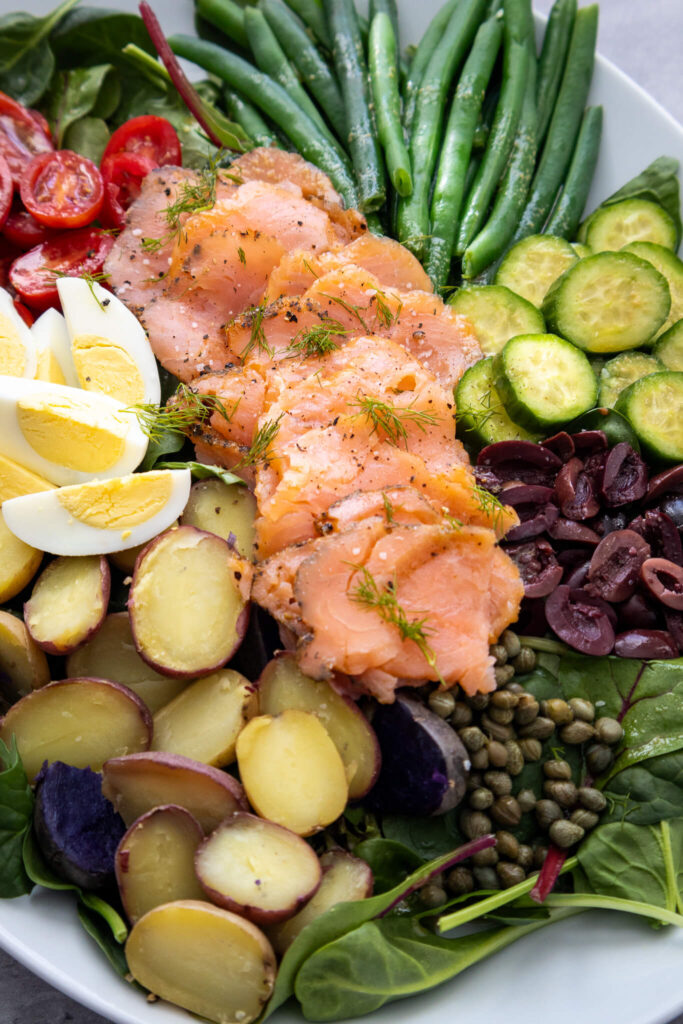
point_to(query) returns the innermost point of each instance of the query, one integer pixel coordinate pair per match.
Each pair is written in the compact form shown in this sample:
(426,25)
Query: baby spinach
(95,35)
(202,472)
(27,62)
(390,862)
(96,928)
(168,443)
(427,837)
(16,811)
(73,94)
(648,792)
(89,137)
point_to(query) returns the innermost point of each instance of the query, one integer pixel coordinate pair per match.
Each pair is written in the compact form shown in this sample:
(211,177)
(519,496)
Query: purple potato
(664,580)
(538,567)
(575,491)
(615,565)
(645,644)
(582,620)
(661,534)
(625,476)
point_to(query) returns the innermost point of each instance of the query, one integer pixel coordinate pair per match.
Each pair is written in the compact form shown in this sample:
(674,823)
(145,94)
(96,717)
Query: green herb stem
(595,901)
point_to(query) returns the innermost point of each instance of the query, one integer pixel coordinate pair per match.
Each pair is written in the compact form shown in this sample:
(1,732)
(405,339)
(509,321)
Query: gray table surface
(644,39)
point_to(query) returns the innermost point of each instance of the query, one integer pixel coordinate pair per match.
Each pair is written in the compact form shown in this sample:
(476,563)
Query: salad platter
(597,966)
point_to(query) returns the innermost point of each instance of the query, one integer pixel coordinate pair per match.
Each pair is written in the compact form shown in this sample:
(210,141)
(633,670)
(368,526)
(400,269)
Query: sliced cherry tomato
(123,174)
(71,252)
(148,135)
(22,229)
(25,313)
(6,189)
(41,121)
(8,254)
(22,136)
(62,189)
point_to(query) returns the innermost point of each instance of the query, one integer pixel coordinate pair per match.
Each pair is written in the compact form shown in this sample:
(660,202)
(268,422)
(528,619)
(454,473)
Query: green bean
(375,224)
(449,186)
(499,145)
(423,54)
(226,15)
(305,57)
(249,118)
(485,119)
(413,212)
(352,73)
(272,99)
(566,216)
(312,14)
(383,80)
(552,61)
(389,8)
(564,125)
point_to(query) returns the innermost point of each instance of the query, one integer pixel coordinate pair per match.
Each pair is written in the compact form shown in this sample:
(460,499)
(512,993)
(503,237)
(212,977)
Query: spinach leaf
(95,35)
(202,472)
(89,137)
(427,837)
(658,183)
(26,59)
(648,792)
(168,443)
(389,861)
(16,810)
(73,94)
(97,930)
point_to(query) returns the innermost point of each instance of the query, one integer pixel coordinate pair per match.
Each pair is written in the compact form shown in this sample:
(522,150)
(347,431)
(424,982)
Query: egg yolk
(120,503)
(16,481)
(48,369)
(76,436)
(12,351)
(107,368)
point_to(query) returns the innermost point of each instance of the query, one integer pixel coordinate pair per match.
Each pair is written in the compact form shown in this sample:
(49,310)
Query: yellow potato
(18,563)
(23,666)
(68,602)
(223,509)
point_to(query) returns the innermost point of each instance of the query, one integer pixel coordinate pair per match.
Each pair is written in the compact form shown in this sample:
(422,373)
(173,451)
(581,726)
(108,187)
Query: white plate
(595,968)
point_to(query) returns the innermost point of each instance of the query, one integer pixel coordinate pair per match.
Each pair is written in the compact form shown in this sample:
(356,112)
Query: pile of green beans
(460,147)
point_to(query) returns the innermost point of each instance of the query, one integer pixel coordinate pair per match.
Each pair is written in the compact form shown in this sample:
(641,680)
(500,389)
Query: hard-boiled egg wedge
(67,435)
(109,347)
(53,350)
(17,349)
(101,516)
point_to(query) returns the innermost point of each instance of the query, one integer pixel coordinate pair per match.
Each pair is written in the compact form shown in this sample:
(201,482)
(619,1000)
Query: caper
(515,763)
(498,755)
(499,783)
(583,709)
(441,702)
(480,759)
(565,833)
(526,798)
(472,737)
(486,878)
(474,781)
(563,792)
(540,852)
(511,643)
(496,730)
(592,799)
(481,799)
(505,699)
(478,701)
(503,674)
(475,824)
(577,732)
(432,895)
(514,687)
(506,811)
(586,819)
(499,653)
(598,758)
(558,710)
(531,749)
(510,874)
(525,661)
(556,769)
(462,715)
(539,729)
(525,856)
(547,811)
(527,709)
(501,715)
(507,845)
(608,731)
(485,858)
(459,881)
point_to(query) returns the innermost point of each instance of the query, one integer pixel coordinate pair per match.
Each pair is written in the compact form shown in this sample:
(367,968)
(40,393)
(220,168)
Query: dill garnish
(242,256)
(258,453)
(384,314)
(193,197)
(490,505)
(317,340)
(350,309)
(489,406)
(392,419)
(388,509)
(90,280)
(257,339)
(184,410)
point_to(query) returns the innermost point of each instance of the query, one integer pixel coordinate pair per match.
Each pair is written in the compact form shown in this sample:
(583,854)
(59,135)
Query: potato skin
(23,665)
(53,646)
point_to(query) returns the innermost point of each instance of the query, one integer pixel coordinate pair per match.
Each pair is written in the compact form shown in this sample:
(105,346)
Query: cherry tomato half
(62,189)
(122,174)
(22,229)
(71,252)
(6,189)
(148,135)
(24,312)
(22,136)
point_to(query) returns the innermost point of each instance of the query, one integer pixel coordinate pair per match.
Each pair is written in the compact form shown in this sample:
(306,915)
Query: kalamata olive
(670,481)
(568,529)
(664,580)
(672,507)
(645,643)
(588,442)
(526,461)
(531,621)
(625,476)
(637,613)
(582,620)
(674,625)
(608,522)
(570,558)
(538,567)
(533,521)
(561,445)
(661,534)
(576,577)
(575,492)
(615,565)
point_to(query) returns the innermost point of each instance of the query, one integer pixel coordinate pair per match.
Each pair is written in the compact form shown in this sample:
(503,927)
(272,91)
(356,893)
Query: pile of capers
(503,731)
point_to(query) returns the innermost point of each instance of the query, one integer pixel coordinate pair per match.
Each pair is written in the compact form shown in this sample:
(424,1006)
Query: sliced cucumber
(669,347)
(632,220)
(533,264)
(482,418)
(497,314)
(609,302)
(582,250)
(671,267)
(653,406)
(621,371)
(544,380)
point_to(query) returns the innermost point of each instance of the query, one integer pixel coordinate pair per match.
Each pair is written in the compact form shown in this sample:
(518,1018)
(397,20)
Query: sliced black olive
(588,442)
(582,620)
(625,476)
(534,521)
(637,613)
(645,643)
(576,492)
(525,461)
(670,481)
(615,565)
(664,580)
(538,567)
(561,445)
(568,529)
(673,508)
(674,625)
(661,534)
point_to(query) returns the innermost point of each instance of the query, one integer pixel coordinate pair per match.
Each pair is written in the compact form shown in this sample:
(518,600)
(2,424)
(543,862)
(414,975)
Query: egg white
(97,317)
(20,335)
(51,337)
(42,521)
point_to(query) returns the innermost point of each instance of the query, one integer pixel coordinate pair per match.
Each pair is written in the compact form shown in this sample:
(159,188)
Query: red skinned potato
(97,720)
(228,510)
(345,879)
(230,973)
(23,666)
(257,868)
(68,603)
(194,628)
(139,782)
(283,686)
(154,861)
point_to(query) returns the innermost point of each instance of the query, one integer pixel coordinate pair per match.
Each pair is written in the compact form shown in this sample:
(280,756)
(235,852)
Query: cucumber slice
(582,250)
(609,302)
(497,315)
(669,266)
(633,220)
(621,371)
(481,413)
(544,380)
(653,405)
(533,264)
(669,347)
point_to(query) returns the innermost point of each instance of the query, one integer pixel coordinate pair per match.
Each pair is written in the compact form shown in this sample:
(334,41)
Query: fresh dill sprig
(455,524)
(257,338)
(352,310)
(392,419)
(242,256)
(258,453)
(317,340)
(310,269)
(194,196)
(384,314)
(90,280)
(184,410)
(388,509)
(488,407)
(490,506)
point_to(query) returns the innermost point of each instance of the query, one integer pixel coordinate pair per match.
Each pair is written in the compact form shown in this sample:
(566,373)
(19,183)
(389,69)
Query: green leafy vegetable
(648,792)
(89,137)
(658,183)
(201,472)
(426,837)
(98,930)
(16,810)
(27,62)
(390,862)
(95,35)
(72,96)
(167,442)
